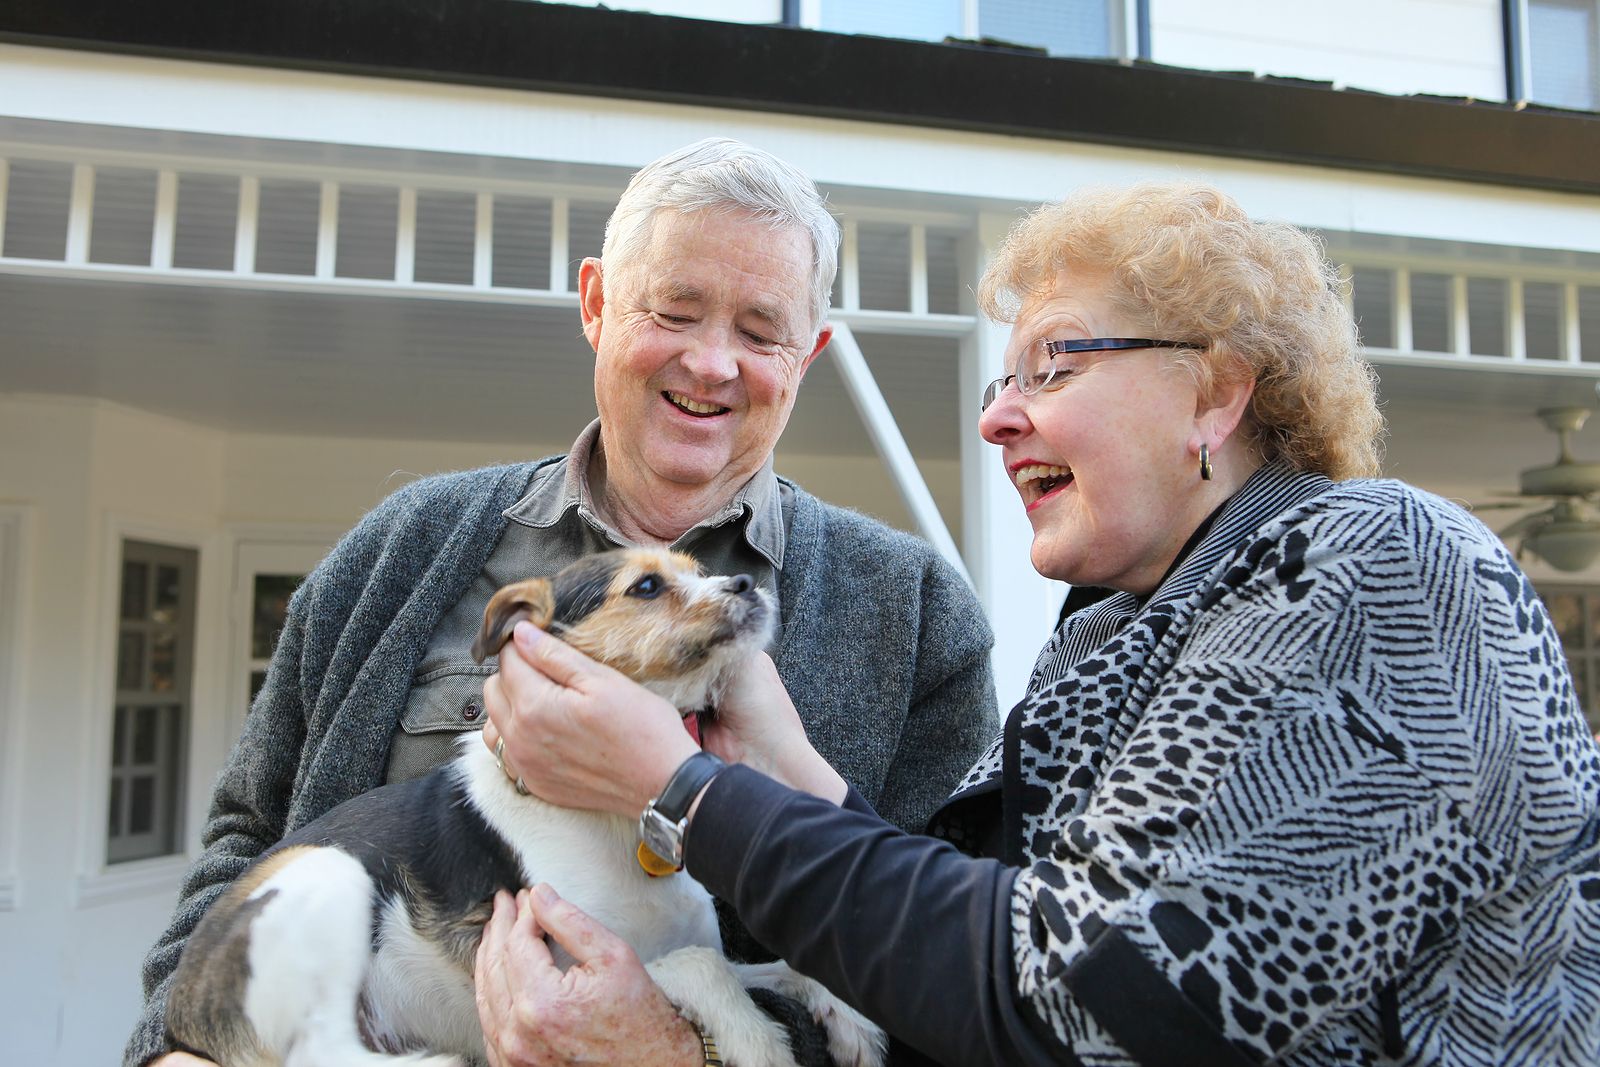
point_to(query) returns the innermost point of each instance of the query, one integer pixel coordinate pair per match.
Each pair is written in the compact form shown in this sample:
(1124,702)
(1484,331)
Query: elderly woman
(1311,787)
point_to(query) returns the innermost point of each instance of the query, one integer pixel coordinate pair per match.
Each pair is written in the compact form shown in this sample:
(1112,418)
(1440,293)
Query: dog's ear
(531,600)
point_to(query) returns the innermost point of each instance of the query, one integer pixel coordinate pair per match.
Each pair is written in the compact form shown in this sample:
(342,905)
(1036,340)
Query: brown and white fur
(358,932)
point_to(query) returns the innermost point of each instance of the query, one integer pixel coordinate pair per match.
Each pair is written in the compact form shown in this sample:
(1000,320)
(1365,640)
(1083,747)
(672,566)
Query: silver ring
(522,789)
(500,754)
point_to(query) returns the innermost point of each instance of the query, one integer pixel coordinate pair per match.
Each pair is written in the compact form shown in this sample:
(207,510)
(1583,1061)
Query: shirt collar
(562,488)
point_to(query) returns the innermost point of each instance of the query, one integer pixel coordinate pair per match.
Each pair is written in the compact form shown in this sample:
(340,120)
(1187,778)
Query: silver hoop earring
(1205,462)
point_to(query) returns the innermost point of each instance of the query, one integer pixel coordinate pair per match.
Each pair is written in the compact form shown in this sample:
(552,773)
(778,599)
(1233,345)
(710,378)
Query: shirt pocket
(444,704)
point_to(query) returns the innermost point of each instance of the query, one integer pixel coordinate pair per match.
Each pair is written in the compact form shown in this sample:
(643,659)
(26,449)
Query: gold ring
(500,754)
(522,789)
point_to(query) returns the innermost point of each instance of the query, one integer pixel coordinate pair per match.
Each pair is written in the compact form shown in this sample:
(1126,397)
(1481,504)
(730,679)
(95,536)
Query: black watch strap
(685,784)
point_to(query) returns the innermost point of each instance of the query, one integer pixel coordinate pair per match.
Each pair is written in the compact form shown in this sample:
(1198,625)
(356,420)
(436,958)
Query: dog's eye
(646,588)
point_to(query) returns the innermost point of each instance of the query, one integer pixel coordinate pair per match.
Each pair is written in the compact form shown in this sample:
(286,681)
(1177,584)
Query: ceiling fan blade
(1525,525)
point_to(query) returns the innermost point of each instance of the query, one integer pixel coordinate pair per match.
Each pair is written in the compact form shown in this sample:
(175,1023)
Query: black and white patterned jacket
(1326,797)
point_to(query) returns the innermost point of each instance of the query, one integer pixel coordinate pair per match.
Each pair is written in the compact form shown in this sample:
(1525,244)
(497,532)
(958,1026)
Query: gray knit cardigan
(884,649)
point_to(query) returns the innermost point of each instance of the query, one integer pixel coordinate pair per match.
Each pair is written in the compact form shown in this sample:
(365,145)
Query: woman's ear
(1217,416)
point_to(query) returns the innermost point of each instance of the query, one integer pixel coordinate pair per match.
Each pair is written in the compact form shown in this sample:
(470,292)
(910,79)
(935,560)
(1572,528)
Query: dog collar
(665,819)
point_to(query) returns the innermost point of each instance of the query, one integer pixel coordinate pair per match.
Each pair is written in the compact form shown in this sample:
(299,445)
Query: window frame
(15,596)
(1519,53)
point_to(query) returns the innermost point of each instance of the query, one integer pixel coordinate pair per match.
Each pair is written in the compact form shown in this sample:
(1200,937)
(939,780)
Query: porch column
(1022,606)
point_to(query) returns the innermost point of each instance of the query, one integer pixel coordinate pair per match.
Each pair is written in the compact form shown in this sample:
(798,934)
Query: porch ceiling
(332,364)
(383,367)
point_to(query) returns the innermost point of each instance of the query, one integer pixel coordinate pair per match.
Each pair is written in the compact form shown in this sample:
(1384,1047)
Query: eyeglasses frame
(992,391)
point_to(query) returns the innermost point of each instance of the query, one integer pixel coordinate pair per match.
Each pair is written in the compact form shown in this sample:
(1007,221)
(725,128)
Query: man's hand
(602,1009)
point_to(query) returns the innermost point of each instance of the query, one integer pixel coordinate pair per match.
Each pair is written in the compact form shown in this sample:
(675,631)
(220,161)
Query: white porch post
(1022,606)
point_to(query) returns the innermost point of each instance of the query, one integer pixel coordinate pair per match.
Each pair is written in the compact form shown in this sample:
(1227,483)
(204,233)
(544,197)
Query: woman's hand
(756,725)
(602,1009)
(578,733)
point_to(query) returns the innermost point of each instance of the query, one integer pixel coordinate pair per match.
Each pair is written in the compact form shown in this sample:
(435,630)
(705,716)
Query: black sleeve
(906,929)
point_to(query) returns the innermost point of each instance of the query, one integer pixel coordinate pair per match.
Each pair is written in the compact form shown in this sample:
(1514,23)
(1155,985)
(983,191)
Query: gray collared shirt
(554,524)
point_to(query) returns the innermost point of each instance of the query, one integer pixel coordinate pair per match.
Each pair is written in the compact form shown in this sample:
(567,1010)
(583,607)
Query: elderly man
(708,303)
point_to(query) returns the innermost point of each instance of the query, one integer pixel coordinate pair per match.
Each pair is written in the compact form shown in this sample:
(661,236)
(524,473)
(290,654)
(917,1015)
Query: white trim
(483,242)
(80,214)
(327,232)
(15,598)
(246,224)
(1460,318)
(5,176)
(258,549)
(98,881)
(891,444)
(560,240)
(1516,322)
(405,236)
(919,269)
(136,878)
(164,231)
(1571,325)
(850,267)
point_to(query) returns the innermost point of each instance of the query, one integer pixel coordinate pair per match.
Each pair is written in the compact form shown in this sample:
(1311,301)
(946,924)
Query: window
(1576,612)
(155,656)
(1081,28)
(1562,53)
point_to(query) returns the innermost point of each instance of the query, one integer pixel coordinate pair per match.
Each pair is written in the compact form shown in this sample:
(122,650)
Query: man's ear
(824,335)
(591,299)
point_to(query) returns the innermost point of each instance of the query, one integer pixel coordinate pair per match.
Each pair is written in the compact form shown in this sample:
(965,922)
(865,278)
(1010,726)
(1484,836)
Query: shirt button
(471,710)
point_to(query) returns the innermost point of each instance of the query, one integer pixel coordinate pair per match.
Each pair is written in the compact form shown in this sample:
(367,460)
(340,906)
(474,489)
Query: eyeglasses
(1036,367)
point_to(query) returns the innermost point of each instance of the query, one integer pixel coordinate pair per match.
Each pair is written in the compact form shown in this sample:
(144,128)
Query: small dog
(358,932)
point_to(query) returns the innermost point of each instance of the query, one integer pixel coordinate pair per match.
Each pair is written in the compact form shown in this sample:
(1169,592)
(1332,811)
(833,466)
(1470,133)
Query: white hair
(721,174)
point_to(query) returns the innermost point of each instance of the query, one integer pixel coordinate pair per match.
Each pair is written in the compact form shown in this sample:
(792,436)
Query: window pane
(163,662)
(257,680)
(130,660)
(169,587)
(114,816)
(119,738)
(146,732)
(142,806)
(1486,315)
(1373,293)
(1541,319)
(1430,312)
(135,579)
(918,20)
(586,235)
(1078,29)
(1561,46)
(271,605)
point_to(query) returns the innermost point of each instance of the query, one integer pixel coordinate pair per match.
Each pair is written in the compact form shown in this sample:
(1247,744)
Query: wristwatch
(665,819)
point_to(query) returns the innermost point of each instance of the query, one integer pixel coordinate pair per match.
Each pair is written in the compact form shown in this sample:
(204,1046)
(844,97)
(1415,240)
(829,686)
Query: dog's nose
(740,583)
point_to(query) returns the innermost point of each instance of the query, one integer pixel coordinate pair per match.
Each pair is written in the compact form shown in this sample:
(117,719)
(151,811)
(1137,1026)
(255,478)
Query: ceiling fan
(1566,534)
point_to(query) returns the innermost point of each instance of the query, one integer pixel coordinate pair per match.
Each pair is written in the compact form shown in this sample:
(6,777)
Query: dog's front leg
(706,990)
(853,1039)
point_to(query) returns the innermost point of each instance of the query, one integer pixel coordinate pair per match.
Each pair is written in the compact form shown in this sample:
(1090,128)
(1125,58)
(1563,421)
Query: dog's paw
(702,985)
(853,1039)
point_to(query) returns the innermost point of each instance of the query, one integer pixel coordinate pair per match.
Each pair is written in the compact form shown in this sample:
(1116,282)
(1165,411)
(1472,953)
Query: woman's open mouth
(1038,480)
(693,407)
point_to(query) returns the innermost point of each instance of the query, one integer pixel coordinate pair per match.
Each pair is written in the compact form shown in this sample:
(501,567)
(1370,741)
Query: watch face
(662,836)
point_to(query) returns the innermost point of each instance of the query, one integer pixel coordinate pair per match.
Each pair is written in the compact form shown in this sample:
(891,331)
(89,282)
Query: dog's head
(648,613)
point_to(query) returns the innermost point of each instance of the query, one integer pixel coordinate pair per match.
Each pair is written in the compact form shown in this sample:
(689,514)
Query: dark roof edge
(595,51)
